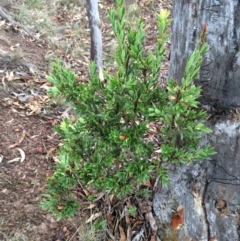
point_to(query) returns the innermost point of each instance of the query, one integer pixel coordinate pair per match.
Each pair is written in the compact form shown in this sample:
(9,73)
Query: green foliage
(132,210)
(100,224)
(105,147)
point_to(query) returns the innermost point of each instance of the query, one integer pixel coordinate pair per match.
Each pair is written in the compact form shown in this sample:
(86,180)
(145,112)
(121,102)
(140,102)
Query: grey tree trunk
(96,35)
(203,201)
(220,74)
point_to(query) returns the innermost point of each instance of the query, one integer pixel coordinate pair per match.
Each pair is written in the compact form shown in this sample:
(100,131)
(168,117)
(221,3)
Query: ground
(27,115)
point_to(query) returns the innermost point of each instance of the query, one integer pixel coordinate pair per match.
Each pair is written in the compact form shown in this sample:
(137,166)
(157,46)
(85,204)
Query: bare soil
(26,122)
(25,126)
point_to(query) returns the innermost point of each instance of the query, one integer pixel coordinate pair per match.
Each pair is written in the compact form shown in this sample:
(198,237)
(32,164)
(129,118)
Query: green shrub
(106,146)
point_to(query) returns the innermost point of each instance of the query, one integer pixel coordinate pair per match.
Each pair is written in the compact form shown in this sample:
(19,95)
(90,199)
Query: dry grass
(58,21)
(64,23)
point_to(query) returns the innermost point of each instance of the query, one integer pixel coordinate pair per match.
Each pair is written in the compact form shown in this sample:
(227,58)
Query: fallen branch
(5,15)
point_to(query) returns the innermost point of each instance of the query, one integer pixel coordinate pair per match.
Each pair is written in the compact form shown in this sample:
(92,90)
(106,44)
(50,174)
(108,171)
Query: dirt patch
(26,122)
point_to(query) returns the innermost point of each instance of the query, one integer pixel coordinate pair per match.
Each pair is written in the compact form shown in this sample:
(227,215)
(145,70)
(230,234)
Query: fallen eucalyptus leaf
(91,206)
(93,217)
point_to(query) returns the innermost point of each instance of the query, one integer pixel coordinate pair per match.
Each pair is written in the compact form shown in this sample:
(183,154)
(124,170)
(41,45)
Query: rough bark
(208,191)
(96,35)
(220,73)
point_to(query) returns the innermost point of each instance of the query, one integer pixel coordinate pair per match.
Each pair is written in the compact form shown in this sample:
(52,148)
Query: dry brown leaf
(178,219)
(19,142)
(111,197)
(51,150)
(122,234)
(35,109)
(44,98)
(91,206)
(18,105)
(100,195)
(87,193)
(13,145)
(93,217)
(22,137)
(59,207)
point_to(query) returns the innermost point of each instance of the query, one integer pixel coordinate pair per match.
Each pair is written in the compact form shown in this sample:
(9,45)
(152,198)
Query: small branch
(96,35)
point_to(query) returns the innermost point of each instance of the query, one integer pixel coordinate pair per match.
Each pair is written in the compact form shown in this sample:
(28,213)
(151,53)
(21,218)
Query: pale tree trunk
(220,75)
(96,35)
(203,200)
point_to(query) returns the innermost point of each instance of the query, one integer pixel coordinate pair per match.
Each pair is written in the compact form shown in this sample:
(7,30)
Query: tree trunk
(96,35)
(220,73)
(203,200)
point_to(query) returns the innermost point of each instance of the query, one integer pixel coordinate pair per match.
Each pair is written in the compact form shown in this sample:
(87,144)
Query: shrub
(106,146)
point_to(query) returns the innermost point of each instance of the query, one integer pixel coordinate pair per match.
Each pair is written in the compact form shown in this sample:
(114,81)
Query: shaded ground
(27,119)
(25,125)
